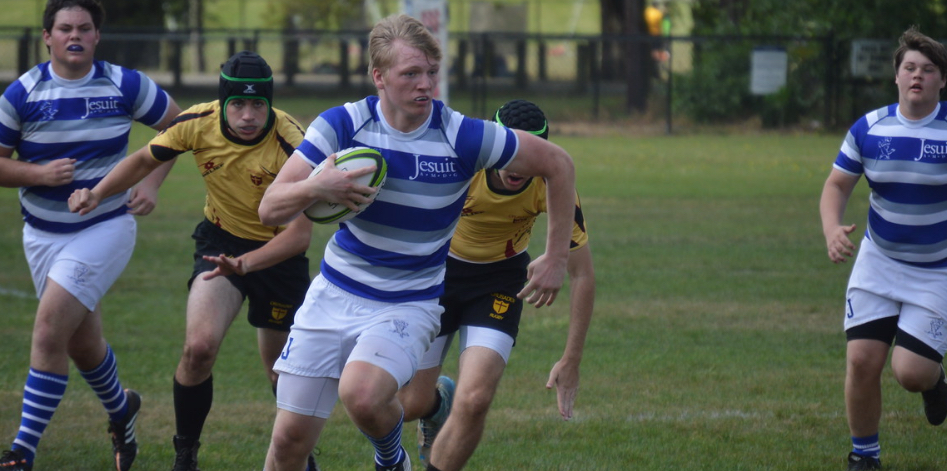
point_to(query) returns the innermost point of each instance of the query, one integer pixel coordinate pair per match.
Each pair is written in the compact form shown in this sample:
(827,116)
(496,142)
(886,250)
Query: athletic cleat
(13,460)
(404,465)
(935,401)
(185,458)
(858,462)
(429,428)
(311,464)
(124,443)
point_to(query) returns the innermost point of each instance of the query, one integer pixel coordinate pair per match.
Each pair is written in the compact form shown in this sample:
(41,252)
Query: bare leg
(212,306)
(294,436)
(270,343)
(479,376)
(419,396)
(865,362)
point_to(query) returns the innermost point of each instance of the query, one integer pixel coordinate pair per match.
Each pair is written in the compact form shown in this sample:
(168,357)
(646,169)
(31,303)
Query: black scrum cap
(524,115)
(246,75)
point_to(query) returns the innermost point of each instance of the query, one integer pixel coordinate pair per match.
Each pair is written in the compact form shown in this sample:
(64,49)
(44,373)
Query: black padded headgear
(524,115)
(245,75)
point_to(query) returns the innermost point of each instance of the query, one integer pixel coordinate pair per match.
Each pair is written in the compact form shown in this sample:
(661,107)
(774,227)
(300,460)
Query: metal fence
(673,83)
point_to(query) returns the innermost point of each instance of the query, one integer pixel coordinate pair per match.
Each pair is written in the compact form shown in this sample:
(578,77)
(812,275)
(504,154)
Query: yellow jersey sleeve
(496,225)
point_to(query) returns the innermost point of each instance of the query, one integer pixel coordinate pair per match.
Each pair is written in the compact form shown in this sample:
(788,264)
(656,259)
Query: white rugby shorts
(881,287)
(85,263)
(334,327)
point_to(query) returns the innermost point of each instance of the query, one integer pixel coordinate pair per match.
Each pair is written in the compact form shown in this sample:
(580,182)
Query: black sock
(437,406)
(191,406)
(431,467)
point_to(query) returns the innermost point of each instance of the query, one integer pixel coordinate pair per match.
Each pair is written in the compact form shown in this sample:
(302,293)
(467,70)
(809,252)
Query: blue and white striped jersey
(45,117)
(395,250)
(905,163)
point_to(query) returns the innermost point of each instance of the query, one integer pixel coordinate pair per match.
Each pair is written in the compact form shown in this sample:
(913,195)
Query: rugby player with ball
(373,310)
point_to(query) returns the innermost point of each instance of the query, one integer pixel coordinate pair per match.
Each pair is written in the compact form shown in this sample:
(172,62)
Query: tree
(123,17)
(625,56)
(716,88)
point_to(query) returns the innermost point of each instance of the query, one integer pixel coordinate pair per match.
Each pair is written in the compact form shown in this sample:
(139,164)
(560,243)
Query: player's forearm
(16,173)
(832,207)
(126,174)
(289,243)
(581,305)
(156,176)
(560,205)
(282,202)
(832,204)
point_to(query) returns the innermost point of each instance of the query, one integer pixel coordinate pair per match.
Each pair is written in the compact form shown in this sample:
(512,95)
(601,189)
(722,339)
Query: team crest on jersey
(49,111)
(209,167)
(257,180)
(884,148)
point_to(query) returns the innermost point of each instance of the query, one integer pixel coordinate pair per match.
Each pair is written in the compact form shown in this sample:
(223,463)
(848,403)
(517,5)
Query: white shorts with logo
(334,327)
(881,287)
(85,263)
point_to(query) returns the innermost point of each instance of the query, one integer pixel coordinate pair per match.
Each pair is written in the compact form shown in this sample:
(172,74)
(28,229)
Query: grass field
(716,342)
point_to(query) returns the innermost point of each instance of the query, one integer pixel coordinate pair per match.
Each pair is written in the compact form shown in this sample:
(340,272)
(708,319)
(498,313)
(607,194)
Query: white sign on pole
(768,70)
(872,58)
(433,14)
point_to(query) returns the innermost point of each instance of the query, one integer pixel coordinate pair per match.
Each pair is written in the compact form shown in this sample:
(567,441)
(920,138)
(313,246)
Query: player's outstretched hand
(58,172)
(840,247)
(566,381)
(335,186)
(545,277)
(83,201)
(225,266)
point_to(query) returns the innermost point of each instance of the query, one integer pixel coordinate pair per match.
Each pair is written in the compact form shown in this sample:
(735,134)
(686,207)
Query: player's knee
(359,402)
(915,380)
(200,355)
(863,364)
(473,403)
(286,444)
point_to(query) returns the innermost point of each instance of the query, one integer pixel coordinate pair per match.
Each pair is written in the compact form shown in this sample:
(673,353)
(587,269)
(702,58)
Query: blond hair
(399,28)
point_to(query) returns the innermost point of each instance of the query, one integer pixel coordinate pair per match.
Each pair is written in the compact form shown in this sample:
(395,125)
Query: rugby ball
(322,212)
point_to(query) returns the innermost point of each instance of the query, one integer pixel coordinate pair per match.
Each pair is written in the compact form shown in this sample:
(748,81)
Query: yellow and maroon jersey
(496,224)
(236,172)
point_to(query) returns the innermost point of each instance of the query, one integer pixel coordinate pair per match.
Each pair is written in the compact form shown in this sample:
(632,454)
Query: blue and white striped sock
(41,396)
(867,446)
(388,450)
(104,381)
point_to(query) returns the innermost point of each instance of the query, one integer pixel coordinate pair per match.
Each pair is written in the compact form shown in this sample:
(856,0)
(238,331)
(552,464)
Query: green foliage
(717,86)
(140,13)
(315,14)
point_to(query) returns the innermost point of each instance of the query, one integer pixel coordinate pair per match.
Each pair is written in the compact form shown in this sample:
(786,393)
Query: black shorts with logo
(484,294)
(274,293)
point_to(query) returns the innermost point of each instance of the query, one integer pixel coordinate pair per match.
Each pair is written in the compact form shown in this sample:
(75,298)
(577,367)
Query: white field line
(15,293)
